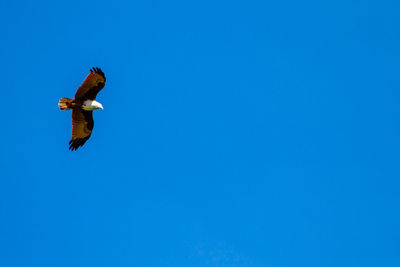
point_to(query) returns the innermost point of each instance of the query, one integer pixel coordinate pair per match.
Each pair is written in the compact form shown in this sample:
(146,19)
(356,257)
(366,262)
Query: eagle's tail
(65,103)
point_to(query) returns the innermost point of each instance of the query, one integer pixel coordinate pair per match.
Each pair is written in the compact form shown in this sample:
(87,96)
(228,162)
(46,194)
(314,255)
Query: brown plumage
(82,107)
(93,83)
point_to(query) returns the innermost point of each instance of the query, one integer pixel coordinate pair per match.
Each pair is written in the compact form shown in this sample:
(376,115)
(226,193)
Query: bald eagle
(82,107)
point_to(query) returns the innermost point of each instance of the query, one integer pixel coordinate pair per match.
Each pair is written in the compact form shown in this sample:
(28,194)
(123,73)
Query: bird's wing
(93,83)
(82,126)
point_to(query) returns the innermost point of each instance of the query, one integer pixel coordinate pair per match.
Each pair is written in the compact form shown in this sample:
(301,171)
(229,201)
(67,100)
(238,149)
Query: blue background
(234,133)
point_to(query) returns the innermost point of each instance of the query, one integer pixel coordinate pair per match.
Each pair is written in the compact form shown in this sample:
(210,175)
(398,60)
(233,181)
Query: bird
(82,107)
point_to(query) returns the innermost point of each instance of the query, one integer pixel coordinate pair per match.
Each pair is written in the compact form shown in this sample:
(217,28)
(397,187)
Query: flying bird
(82,107)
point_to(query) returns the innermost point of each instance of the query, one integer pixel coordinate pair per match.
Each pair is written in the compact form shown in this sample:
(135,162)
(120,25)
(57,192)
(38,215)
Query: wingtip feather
(74,144)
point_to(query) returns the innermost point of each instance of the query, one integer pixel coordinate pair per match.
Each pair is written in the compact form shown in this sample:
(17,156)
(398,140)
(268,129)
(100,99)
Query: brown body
(82,120)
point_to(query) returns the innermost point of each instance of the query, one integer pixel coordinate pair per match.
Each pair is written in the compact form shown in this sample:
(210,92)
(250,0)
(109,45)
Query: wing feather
(82,126)
(92,85)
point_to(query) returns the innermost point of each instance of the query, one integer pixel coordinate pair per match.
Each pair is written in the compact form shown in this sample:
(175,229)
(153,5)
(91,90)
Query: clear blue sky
(234,133)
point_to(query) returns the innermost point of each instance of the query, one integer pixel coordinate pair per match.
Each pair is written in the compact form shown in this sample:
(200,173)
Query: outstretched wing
(93,83)
(82,126)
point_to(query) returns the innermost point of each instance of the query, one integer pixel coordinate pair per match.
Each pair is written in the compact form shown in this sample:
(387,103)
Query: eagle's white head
(91,105)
